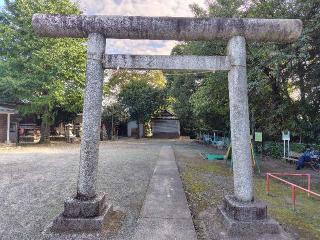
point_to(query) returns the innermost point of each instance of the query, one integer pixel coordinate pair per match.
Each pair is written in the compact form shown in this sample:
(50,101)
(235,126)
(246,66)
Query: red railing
(293,186)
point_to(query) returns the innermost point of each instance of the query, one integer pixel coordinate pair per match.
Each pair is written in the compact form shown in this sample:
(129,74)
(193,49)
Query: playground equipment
(253,152)
(214,137)
(212,157)
(255,161)
(219,138)
(294,187)
(228,157)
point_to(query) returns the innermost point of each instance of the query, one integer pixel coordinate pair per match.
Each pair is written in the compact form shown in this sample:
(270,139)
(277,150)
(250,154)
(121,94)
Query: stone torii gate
(240,212)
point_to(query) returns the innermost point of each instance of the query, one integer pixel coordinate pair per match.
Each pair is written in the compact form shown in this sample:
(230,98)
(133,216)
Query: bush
(275,149)
(297,147)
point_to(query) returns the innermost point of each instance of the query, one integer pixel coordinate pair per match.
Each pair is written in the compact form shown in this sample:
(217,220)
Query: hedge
(275,149)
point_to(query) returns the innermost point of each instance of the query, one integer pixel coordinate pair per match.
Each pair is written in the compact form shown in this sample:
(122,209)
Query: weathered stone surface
(75,208)
(91,118)
(245,211)
(167,62)
(63,224)
(239,120)
(241,228)
(167,28)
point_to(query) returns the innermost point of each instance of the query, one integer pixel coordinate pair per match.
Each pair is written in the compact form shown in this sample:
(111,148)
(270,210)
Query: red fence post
(309,180)
(267,184)
(293,186)
(293,196)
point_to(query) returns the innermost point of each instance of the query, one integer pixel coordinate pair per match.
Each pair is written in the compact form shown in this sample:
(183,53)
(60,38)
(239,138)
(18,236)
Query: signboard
(258,136)
(286,135)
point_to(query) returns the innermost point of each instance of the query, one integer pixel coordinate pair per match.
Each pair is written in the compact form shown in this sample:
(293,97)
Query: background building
(166,125)
(8,124)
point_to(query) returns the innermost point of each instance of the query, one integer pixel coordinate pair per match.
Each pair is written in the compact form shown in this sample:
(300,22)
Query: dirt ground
(34,181)
(206,182)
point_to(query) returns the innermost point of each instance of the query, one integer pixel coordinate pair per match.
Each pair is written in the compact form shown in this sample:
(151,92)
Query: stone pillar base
(84,216)
(246,218)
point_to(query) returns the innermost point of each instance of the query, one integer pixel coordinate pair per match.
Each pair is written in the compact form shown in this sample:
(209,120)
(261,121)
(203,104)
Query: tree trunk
(252,123)
(141,129)
(112,127)
(138,124)
(45,132)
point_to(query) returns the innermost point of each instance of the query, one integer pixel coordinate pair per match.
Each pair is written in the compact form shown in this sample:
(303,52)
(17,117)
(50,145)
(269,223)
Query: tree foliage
(143,94)
(283,79)
(114,114)
(42,74)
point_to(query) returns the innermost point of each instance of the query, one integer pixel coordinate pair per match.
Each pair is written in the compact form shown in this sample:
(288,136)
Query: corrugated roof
(165,114)
(5,110)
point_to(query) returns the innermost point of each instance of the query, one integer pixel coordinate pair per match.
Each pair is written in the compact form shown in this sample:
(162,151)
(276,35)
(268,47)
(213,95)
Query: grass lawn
(207,182)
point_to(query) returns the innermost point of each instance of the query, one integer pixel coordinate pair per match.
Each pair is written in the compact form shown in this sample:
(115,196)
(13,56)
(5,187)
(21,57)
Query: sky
(173,8)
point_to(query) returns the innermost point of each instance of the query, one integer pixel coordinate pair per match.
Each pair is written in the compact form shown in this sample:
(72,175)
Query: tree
(42,74)
(201,99)
(121,78)
(112,114)
(181,87)
(290,72)
(210,102)
(283,79)
(142,99)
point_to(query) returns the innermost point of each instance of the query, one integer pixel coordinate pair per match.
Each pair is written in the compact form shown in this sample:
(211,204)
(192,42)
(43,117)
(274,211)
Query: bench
(293,157)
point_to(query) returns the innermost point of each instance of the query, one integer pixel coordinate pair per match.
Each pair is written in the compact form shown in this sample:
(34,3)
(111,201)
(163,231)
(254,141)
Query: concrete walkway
(165,213)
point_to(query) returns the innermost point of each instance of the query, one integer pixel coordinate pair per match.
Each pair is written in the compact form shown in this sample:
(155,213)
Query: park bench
(293,157)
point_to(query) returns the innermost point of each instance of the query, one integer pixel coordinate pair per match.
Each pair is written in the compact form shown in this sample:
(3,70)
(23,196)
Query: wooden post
(8,128)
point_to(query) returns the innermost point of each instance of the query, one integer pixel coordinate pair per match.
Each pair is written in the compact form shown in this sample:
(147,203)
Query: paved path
(165,213)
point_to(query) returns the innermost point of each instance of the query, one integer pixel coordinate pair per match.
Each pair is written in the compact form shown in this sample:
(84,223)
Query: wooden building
(166,125)
(8,125)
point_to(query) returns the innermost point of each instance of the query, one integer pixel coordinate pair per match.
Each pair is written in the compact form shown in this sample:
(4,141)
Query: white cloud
(173,8)
(126,46)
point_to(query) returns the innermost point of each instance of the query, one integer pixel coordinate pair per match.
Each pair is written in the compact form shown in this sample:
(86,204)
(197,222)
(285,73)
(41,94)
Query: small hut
(8,125)
(166,125)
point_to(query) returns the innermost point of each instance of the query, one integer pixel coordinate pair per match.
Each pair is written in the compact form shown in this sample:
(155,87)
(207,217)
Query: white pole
(8,128)
(284,148)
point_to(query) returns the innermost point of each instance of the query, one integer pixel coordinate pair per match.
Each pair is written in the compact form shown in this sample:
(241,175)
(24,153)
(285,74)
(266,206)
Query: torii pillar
(240,212)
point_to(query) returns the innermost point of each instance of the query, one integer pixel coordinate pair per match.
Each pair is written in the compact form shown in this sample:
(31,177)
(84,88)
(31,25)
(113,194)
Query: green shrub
(275,149)
(297,147)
